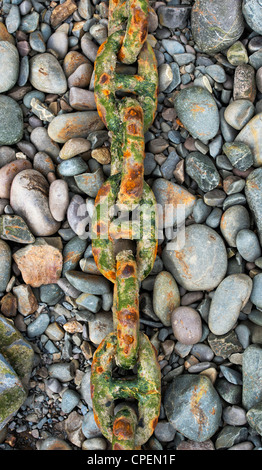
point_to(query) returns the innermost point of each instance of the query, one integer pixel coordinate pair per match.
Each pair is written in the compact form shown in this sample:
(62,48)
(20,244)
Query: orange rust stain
(104,78)
(122,429)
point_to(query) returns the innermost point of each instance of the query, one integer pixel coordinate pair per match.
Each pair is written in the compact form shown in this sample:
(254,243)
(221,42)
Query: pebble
(58,199)
(239,154)
(77,215)
(202,170)
(234,292)
(193,407)
(38,326)
(5,257)
(9,67)
(253,14)
(63,371)
(166,296)
(26,300)
(250,135)
(46,74)
(186,325)
(197,110)
(238,113)
(11,124)
(248,245)
(252,376)
(54,443)
(29,199)
(217,31)
(173,16)
(244,83)
(70,400)
(233,220)
(237,54)
(88,283)
(253,194)
(256,296)
(100,327)
(69,125)
(202,262)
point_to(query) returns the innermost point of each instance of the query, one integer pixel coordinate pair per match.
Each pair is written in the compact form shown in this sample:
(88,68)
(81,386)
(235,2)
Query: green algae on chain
(135,12)
(103,244)
(145,387)
(127,309)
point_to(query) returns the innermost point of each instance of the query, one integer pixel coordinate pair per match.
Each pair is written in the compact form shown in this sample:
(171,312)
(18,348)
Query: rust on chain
(113,238)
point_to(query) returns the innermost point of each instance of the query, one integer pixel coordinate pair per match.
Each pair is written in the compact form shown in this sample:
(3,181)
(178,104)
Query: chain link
(126,265)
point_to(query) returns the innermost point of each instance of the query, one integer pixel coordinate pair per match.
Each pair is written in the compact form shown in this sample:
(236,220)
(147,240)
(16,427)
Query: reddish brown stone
(9,305)
(26,300)
(40,263)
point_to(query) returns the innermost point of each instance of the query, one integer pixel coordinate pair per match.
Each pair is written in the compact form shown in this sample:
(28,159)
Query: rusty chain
(125,250)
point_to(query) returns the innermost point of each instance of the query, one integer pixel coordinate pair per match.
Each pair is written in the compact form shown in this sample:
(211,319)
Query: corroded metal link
(135,12)
(124,428)
(126,311)
(146,234)
(145,388)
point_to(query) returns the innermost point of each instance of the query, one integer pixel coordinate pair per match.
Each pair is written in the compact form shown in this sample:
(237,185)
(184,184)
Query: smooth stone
(8,173)
(13,19)
(88,265)
(5,261)
(5,35)
(237,54)
(201,211)
(58,42)
(11,124)
(29,23)
(193,445)
(174,16)
(72,61)
(166,296)
(234,219)
(37,42)
(29,199)
(234,199)
(252,376)
(33,94)
(165,77)
(50,294)
(89,426)
(81,99)
(215,197)
(238,113)
(202,262)
(88,283)
(172,47)
(216,72)
(187,399)
(239,155)
(176,80)
(40,138)
(66,126)
(256,295)
(198,112)
(77,215)
(244,83)
(63,371)
(90,183)
(250,135)
(254,417)
(89,47)
(253,193)
(96,443)
(46,259)
(58,199)
(46,74)
(85,388)
(216,25)
(7,155)
(231,393)
(72,167)
(248,245)
(90,302)
(38,326)
(12,395)
(186,325)
(72,253)
(70,400)
(234,416)
(229,299)
(14,228)
(54,443)
(26,300)
(74,147)
(202,170)
(170,196)
(229,436)
(43,163)
(9,65)
(100,327)
(233,184)
(253,14)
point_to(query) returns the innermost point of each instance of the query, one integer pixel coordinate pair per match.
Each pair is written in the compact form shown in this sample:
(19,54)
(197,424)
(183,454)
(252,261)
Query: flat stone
(170,196)
(201,263)
(74,147)
(238,113)
(77,215)
(224,345)
(193,407)
(253,14)
(72,167)
(26,300)
(248,245)
(40,138)
(46,259)
(29,199)
(90,183)
(217,25)
(202,170)
(72,61)
(198,112)
(78,124)
(58,199)
(88,283)
(46,74)
(11,124)
(174,17)
(7,174)
(166,296)
(251,136)
(253,194)
(186,325)
(81,99)
(229,299)
(239,155)
(72,253)
(252,376)
(14,228)
(9,66)
(5,261)
(233,220)
(51,294)
(256,294)
(90,302)
(244,83)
